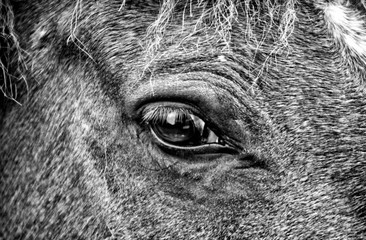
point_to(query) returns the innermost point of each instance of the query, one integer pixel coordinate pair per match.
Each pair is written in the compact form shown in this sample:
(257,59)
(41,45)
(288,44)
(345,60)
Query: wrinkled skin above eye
(183,120)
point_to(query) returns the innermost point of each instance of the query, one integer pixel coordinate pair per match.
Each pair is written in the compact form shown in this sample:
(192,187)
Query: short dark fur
(76,162)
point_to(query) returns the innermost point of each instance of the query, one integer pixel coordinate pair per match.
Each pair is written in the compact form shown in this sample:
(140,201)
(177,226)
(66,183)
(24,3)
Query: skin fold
(88,86)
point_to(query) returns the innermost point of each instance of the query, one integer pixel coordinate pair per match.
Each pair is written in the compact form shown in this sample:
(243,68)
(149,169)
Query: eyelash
(160,114)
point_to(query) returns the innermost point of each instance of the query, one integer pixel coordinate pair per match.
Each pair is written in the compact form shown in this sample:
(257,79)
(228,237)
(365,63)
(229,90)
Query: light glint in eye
(180,127)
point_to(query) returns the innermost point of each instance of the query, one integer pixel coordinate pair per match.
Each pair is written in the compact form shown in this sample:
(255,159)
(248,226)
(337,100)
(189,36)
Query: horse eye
(183,129)
(179,128)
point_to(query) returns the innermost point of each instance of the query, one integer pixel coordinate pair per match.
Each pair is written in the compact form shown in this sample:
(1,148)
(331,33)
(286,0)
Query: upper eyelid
(156,113)
(148,112)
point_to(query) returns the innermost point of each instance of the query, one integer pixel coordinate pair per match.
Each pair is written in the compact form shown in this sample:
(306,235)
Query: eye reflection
(179,127)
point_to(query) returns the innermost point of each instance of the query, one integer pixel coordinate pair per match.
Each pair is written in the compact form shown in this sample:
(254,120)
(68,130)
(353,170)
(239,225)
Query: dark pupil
(180,130)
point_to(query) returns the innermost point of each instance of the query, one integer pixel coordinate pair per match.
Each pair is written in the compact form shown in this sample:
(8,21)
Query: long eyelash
(159,114)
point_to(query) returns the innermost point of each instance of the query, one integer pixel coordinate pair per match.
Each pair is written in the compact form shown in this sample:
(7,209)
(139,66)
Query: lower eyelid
(203,149)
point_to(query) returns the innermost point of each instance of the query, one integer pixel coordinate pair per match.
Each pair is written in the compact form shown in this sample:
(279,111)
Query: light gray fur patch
(347,25)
